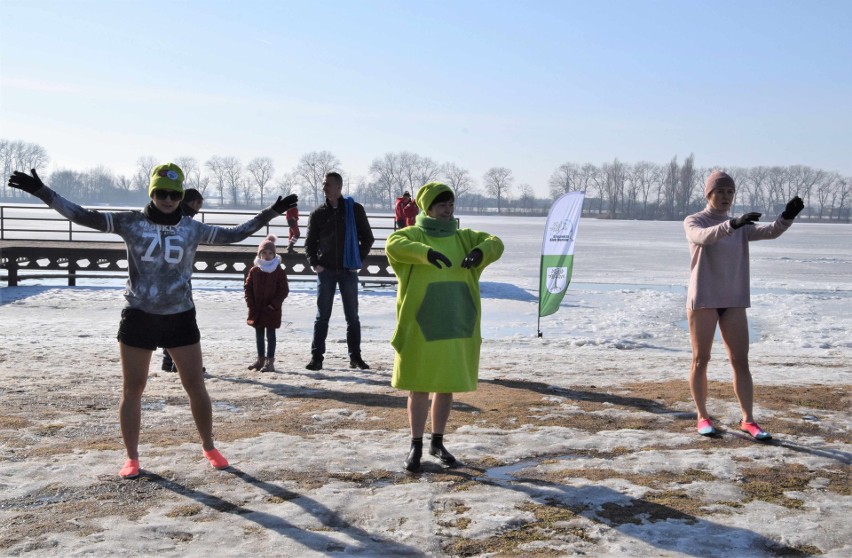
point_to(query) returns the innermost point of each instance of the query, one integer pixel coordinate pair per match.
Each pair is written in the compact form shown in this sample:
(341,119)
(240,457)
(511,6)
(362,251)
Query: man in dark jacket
(339,238)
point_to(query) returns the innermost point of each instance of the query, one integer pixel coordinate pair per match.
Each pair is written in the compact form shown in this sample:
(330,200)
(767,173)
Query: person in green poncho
(437,337)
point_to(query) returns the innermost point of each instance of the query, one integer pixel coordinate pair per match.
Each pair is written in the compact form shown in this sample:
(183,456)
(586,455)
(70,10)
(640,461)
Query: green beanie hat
(428,192)
(166,177)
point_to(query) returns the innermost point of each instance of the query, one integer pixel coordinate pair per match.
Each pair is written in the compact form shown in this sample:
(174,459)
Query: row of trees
(650,191)
(615,190)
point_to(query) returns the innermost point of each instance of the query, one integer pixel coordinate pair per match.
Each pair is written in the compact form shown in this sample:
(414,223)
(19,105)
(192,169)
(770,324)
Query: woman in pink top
(719,292)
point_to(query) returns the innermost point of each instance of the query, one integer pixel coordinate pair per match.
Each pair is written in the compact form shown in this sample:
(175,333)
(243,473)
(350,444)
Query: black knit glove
(794,207)
(436,258)
(25,182)
(283,204)
(742,220)
(473,259)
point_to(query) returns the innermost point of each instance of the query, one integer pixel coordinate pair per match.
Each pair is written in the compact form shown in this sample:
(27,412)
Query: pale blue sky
(525,85)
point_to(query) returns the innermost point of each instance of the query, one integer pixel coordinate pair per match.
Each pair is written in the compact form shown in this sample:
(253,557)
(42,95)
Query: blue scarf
(351,250)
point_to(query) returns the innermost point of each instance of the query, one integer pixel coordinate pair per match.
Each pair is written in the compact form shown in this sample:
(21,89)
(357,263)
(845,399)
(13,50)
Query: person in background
(438,311)
(410,212)
(292,217)
(719,292)
(400,217)
(190,205)
(265,290)
(192,202)
(338,240)
(159,311)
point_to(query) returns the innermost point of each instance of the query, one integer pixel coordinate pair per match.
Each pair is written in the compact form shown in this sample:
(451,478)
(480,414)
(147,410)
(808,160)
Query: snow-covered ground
(317,455)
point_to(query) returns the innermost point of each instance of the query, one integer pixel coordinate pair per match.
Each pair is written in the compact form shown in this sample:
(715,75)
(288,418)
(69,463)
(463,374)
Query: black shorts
(149,331)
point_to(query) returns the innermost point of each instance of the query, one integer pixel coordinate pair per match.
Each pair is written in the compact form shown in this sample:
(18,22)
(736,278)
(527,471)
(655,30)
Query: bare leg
(734,328)
(441,405)
(188,362)
(418,409)
(134,372)
(702,328)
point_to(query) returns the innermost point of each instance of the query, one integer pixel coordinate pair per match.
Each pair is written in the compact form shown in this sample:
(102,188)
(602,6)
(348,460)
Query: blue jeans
(327,282)
(270,341)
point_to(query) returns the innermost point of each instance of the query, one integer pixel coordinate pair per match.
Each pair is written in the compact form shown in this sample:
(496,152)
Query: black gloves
(794,207)
(436,258)
(747,219)
(473,259)
(283,204)
(25,182)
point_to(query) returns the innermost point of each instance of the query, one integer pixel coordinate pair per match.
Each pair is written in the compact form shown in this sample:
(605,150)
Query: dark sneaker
(314,364)
(357,362)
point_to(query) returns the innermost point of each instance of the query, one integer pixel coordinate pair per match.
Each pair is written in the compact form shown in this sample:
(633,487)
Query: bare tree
(498,183)
(614,177)
(423,171)
(803,180)
(286,185)
(526,197)
(686,186)
(216,166)
(261,170)
(645,176)
(22,156)
(387,173)
(459,180)
(124,183)
(311,170)
(191,171)
(566,178)
(142,177)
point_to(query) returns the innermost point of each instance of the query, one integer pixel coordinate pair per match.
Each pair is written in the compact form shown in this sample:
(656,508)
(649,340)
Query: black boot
(412,462)
(315,364)
(358,362)
(437,449)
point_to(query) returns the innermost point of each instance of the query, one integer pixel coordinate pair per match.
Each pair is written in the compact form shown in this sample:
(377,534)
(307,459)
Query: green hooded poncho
(437,337)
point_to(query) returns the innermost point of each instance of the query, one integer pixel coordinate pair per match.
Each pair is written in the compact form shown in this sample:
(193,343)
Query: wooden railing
(36,242)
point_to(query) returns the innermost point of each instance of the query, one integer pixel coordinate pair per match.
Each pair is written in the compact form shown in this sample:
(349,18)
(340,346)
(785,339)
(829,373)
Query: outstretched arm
(228,235)
(32,184)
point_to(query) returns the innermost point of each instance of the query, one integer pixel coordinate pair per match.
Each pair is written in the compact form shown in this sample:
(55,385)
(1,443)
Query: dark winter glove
(794,207)
(742,220)
(436,258)
(473,259)
(25,182)
(283,204)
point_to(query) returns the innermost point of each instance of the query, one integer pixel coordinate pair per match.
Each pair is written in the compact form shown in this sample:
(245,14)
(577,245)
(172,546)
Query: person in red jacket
(265,289)
(399,210)
(410,212)
(292,217)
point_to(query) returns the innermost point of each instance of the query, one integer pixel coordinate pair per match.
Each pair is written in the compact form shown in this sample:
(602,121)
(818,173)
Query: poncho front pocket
(448,311)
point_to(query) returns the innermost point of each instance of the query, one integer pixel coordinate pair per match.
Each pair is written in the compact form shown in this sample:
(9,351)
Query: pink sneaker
(216,459)
(705,427)
(755,430)
(130,469)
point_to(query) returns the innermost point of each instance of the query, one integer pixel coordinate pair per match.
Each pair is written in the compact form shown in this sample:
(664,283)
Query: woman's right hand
(25,182)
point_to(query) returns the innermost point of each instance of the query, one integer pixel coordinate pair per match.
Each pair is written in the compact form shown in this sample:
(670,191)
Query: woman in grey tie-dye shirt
(161,244)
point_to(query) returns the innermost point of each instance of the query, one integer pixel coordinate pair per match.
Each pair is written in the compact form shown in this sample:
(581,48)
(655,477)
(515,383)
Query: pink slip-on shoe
(216,459)
(705,427)
(755,430)
(130,469)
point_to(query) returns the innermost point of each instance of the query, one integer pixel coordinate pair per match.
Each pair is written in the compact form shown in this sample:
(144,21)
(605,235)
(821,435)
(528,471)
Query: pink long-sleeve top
(719,269)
